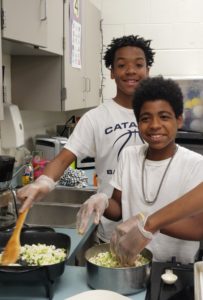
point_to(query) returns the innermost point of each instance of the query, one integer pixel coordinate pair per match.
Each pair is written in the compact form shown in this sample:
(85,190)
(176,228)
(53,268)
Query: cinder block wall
(174,26)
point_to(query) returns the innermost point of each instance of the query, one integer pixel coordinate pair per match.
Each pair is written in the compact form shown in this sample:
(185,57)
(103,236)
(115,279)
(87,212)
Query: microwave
(49,147)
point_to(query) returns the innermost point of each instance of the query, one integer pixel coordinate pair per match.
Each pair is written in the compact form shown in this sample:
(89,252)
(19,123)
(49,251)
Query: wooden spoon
(11,251)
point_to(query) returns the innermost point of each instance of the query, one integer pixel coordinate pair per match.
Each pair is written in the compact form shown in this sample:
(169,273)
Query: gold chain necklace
(146,200)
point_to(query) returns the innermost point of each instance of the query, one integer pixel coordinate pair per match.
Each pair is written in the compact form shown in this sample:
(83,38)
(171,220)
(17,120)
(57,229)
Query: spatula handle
(21,218)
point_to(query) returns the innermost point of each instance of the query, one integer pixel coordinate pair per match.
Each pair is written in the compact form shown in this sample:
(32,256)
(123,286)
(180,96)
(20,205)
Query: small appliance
(12,130)
(49,147)
(8,205)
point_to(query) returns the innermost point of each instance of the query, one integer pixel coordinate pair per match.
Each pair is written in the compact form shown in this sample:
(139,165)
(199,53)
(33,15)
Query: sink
(59,208)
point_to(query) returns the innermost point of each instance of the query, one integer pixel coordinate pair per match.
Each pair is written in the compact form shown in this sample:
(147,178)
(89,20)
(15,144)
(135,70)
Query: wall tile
(177,63)
(128,11)
(170,36)
(112,31)
(169,11)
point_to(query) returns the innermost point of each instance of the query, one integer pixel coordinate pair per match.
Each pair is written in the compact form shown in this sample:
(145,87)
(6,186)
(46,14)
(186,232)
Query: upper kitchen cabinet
(82,55)
(32,27)
(92,55)
(1,85)
(68,82)
(55,10)
(25,21)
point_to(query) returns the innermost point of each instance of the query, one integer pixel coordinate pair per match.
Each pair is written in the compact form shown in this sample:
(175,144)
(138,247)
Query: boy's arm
(190,228)
(188,205)
(114,211)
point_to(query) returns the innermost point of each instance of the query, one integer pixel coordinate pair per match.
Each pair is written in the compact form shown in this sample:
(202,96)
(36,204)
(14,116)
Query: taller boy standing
(102,132)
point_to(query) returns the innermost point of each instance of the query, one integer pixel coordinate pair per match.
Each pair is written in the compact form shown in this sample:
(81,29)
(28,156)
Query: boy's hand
(129,239)
(95,204)
(35,191)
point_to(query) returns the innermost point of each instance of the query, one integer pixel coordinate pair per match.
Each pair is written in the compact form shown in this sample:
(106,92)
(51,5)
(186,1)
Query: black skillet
(42,274)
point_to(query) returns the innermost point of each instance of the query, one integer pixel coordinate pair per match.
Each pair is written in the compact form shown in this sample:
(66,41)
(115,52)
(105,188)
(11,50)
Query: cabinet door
(92,39)
(74,78)
(55,26)
(25,21)
(1,88)
(83,84)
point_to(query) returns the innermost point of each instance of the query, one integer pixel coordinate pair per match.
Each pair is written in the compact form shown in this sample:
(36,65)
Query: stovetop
(183,288)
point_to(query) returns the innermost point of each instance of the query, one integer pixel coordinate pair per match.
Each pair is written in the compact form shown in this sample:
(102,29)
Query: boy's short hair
(132,41)
(158,88)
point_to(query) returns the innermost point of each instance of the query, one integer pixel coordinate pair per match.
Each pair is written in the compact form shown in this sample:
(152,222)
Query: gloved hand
(95,204)
(35,191)
(129,239)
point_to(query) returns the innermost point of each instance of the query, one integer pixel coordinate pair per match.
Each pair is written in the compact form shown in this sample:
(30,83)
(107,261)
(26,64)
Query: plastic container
(28,174)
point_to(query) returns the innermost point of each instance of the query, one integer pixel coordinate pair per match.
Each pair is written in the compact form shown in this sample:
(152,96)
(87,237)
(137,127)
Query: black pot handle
(28,228)
(17,269)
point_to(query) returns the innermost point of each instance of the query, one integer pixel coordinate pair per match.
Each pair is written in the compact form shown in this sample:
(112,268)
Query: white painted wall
(174,26)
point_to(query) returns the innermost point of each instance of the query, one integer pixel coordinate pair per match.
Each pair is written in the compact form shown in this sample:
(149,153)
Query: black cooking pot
(45,275)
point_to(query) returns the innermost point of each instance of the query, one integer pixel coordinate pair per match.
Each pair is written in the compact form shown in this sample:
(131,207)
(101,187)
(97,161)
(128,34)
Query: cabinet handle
(88,84)
(84,84)
(43,10)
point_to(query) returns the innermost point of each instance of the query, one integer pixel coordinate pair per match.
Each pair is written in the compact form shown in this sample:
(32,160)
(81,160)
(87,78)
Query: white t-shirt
(184,173)
(102,133)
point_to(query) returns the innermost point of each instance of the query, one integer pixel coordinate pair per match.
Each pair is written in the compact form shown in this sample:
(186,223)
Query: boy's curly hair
(158,88)
(132,41)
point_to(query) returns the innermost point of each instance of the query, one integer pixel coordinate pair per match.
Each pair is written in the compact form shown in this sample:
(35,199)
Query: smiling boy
(150,176)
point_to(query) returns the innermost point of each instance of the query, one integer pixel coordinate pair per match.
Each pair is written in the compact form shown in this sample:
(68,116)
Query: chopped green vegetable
(41,254)
(109,260)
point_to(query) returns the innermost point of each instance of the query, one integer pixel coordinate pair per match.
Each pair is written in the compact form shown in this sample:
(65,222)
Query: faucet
(13,189)
(18,171)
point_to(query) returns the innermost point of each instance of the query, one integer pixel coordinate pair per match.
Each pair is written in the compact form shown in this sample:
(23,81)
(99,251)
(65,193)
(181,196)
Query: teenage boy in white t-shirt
(105,131)
(150,176)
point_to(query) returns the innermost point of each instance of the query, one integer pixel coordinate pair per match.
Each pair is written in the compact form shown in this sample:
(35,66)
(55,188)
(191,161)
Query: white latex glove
(35,191)
(129,239)
(95,204)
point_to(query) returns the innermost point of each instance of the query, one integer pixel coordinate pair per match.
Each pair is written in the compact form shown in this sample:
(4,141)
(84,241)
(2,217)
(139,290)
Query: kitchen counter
(72,282)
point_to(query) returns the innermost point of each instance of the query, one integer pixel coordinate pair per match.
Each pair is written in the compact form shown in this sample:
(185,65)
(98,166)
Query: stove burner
(183,288)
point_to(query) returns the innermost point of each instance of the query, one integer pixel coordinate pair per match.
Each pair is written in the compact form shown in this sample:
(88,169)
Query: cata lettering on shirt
(120,126)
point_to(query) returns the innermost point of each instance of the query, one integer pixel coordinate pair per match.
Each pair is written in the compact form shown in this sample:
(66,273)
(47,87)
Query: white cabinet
(55,26)
(92,60)
(1,88)
(83,85)
(25,21)
(51,83)
(32,27)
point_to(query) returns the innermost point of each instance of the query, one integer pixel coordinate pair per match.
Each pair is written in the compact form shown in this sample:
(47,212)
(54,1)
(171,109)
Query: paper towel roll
(12,130)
